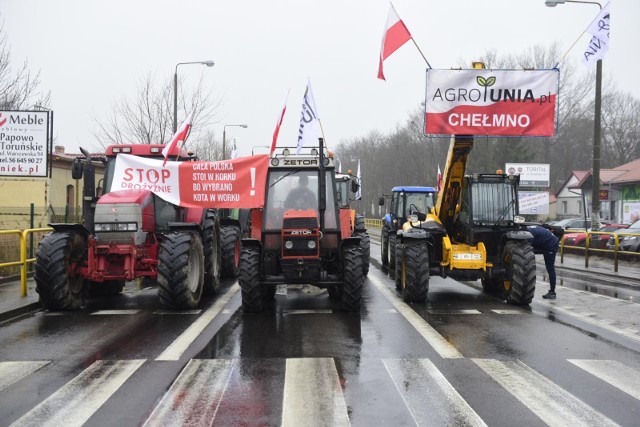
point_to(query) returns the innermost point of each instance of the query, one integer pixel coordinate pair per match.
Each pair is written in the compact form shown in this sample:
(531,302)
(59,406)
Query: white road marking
(308,312)
(180,344)
(195,396)
(554,405)
(437,341)
(615,373)
(113,312)
(11,372)
(80,398)
(163,312)
(589,318)
(508,311)
(312,394)
(463,311)
(430,398)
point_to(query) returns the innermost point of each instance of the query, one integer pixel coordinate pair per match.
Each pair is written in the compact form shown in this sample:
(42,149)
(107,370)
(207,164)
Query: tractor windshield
(493,202)
(297,190)
(422,202)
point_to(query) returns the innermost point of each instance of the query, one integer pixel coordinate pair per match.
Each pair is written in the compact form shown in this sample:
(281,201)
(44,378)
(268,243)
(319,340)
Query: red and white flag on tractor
(276,131)
(439,180)
(171,149)
(395,35)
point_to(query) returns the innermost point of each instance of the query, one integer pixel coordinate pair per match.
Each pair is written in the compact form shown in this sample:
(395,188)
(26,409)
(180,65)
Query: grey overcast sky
(91,53)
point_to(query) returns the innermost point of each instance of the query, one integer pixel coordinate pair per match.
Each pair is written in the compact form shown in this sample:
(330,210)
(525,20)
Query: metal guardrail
(589,251)
(24,261)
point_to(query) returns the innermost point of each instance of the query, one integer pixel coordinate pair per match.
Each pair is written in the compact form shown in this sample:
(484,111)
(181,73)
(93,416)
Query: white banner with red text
(498,103)
(237,183)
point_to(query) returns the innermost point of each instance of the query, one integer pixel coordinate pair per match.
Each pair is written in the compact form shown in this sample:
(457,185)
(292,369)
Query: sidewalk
(11,303)
(601,265)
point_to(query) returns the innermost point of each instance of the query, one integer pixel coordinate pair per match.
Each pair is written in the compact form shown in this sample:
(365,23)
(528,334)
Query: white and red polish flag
(439,180)
(171,149)
(395,35)
(277,129)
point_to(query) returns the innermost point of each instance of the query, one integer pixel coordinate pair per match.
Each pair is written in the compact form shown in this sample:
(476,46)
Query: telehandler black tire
(414,271)
(181,268)
(352,278)
(520,283)
(249,279)
(59,287)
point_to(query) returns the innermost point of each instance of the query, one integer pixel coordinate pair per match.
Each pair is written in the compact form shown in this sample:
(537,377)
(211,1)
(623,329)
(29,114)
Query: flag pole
(419,50)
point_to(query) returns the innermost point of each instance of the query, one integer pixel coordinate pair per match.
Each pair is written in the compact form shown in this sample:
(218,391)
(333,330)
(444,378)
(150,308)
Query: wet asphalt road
(462,358)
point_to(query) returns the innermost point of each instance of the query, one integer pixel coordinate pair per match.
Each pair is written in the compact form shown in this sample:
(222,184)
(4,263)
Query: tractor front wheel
(230,243)
(384,245)
(212,256)
(181,267)
(59,284)
(352,277)
(249,279)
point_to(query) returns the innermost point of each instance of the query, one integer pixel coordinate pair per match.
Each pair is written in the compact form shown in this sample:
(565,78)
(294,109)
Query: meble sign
(24,143)
(491,102)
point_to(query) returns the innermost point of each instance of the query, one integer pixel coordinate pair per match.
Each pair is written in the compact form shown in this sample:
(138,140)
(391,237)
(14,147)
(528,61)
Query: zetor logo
(300,232)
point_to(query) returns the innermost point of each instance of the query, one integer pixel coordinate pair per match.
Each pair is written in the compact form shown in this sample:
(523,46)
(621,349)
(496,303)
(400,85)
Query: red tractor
(301,236)
(126,235)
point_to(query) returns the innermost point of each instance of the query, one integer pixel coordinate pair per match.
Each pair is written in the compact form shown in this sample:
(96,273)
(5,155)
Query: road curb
(15,312)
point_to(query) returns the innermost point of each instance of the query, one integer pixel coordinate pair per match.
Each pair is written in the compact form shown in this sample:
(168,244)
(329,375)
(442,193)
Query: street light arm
(208,63)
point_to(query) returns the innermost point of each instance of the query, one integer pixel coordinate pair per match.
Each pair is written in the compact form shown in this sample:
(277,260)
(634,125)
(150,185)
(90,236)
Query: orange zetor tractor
(346,184)
(301,236)
(129,234)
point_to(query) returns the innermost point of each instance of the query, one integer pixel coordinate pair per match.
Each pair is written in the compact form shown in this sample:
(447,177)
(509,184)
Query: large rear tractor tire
(520,283)
(397,271)
(414,272)
(230,243)
(392,250)
(60,287)
(181,267)
(384,245)
(249,279)
(352,277)
(212,253)
(365,243)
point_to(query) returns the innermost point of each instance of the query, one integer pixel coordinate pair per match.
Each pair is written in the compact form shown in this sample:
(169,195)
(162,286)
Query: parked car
(598,241)
(626,239)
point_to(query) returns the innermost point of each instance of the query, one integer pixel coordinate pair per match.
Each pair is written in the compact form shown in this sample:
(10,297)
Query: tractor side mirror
(381,201)
(354,187)
(76,169)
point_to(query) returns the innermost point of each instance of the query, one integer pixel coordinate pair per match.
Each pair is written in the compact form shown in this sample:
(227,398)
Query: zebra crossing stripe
(180,344)
(437,341)
(77,401)
(194,397)
(615,373)
(312,394)
(430,398)
(12,372)
(551,403)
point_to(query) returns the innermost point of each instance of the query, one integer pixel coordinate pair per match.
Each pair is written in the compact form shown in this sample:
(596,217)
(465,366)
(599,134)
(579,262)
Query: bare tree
(147,117)
(19,89)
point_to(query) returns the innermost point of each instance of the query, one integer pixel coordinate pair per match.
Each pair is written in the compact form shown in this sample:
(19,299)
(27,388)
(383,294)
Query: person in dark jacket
(546,243)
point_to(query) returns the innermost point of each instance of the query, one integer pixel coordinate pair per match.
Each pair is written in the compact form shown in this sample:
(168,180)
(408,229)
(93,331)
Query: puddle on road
(607,290)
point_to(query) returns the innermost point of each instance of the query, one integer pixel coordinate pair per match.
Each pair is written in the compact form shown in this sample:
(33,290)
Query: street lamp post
(208,63)
(595,188)
(224,137)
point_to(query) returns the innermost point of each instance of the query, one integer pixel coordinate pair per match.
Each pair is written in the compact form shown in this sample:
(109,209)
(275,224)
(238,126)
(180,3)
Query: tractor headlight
(288,244)
(518,219)
(311,244)
(412,218)
(116,226)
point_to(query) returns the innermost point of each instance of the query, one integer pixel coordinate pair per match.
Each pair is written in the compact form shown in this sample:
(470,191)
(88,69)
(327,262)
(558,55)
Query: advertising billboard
(533,202)
(24,143)
(498,103)
(531,174)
